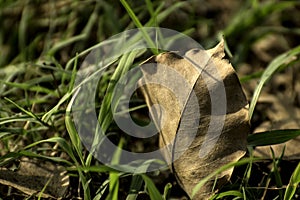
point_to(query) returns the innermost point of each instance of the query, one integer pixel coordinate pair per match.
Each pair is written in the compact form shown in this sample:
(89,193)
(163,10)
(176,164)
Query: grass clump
(44,43)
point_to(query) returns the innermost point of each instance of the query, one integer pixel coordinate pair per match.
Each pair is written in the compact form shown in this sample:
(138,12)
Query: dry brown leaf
(33,175)
(193,157)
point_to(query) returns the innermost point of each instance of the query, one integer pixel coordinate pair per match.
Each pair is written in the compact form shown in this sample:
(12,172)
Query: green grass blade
(162,15)
(105,114)
(150,8)
(167,191)
(233,193)
(25,86)
(135,187)
(73,76)
(248,18)
(71,129)
(63,99)
(143,168)
(13,155)
(139,25)
(251,76)
(113,176)
(85,186)
(101,190)
(282,59)
(65,43)
(292,186)
(44,188)
(151,188)
(31,114)
(23,30)
(85,52)
(92,20)
(66,147)
(46,117)
(20,118)
(275,171)
(62,143)
(4,134)
(94,168)
(272,137)
(221,169)
(38,155)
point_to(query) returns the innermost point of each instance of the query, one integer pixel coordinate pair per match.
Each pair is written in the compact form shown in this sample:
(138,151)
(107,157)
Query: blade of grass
(65,43)
(71,129)
(150,8)
(248,21)
(44,188)
(62,143)
(86,186)
(248,18)
(87,30)
(251,76)
(55,109)
(99,194)
(101,190)
(94,168)
(105,114)
(233,193)
(10,72)
(31,114)
(121,167)
(14,155)
(4,134)
(275,171)
(30,87)
(66,147)
(249,169)
(113,176)
(73,75)
(292,186)
(163,14)
(167,191)
(24,22)
(221,169)
(151,188)
(139,25)
(135,187)
(280,60)
(20,118)
(272,137)
(86,51)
